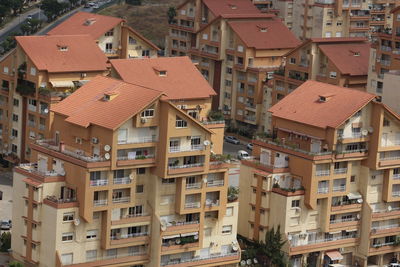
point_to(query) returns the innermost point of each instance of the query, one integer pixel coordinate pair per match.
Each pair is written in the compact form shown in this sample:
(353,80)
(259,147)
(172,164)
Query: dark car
(232,139)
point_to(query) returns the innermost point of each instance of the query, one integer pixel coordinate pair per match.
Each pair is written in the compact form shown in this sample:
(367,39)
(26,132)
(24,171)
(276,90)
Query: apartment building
(42,70)
(384,64)
(113,36)
(236,48)
(338,61)
(329,178)
(126,179)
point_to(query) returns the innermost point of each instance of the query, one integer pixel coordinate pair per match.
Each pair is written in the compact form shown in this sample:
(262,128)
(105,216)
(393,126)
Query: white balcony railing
(121,199)
(384,227)
(199,258)
(318,241)
(100,202)
(385,62)
(124,236)
(215,183)
(396,176)
(150,156)
(390,158)
(396,194)
(99,182)
(147,139)
(192,205)
(186,166)
(122,180)
(339,188)
(322,172)
(212,202)
(323,190)
(174,149)
(352,219)
(193,186)
(340,171)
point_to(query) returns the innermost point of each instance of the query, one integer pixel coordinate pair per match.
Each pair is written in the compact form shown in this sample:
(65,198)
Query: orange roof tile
(86,105)
(181,81)
(303,104)
(231,7)
(338,39)
(264,34)
(63,53)
(86,23)
(349,58)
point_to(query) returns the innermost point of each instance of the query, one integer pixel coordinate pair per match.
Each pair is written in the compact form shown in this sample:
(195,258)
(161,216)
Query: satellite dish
(248,262)
(364,132)
(77,221)
(289,237)
(107,148)
(206,142)
(46,110)
(196,237)
(131,176)
(205,180)
(235,246)
(360,200)
(62,172)
(163,225)
(255,260)
(370,129)
(243,263)
(358,216)
(107,156)
(389,208)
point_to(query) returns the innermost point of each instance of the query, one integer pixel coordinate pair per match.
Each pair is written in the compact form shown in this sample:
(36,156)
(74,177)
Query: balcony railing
(396,176)
(386,210)
(60,200)
(186,166)
(352,219)
(396,194)
(340,171)
(212,202)
(212,122)
(121,199)
(385,62)
(100,202)
(123,180)
(340,188)
(99,182)
(31,123)
(42,127)
(323,190)
(322,172)
(386,48)
(32,167)
(193,186)
(385,227)
(192,205)
(175,149)
(149,139)
(114,237)
(378,245)
(213,257)
(215,183)
(117,256)
(318,241)
(150,156)
(390,158)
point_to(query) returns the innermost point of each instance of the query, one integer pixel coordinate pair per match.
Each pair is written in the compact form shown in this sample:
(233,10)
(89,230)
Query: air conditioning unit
(143,120)
(95,140)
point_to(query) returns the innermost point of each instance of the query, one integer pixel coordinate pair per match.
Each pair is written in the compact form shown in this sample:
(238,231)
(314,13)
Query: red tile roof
(86,23)
(351,59)
(338,39)
(231,7)
(86,105)
(80,53)
(303,105)
(182,80)
(276,34)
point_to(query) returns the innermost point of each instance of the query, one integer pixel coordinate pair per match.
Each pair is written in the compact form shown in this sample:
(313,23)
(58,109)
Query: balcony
(385,62)
(175,149)
(100,202)
(316,245)
(340,171)
(192,205)
(386,48)
(31,169)
(396,176)
(185,168)
(323,190)
(142,140)
(215,183)
(396,194)
(60,203)
(212,203)
(182,241)
(339,188)
(385,229)
(99,182)
(384,213)
(322,172)
(123,180)
(346,206)
(136,160)
(141,237)
(119,258)
(132,218)
(204,261)
(125,199)
(193,186)
(340,221)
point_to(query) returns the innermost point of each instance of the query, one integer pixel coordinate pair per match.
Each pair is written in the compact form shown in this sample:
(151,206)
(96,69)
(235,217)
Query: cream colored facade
(144,194)
(332,191)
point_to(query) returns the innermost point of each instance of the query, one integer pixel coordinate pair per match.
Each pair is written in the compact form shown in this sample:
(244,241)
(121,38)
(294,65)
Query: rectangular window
(139,188)
(91,255)
(145,53)
(69,216)
(67,258)
(110,33)
(15,117)
(14,133)
(332,74)
(168,181)
(16,102)
(295,203)
(141,171)
(229,211)
(91,234)
(227,229)
(179,123)
(166,200)
(67,237)
(148,113)
(292,60)
(33,71)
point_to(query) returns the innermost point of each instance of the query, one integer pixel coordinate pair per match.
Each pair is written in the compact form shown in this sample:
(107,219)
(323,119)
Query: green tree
(5,241)
(16,6)
(171,13)
(35,25)
(51,9)
(16,264)
(270,252)
(73,2)
(4,10)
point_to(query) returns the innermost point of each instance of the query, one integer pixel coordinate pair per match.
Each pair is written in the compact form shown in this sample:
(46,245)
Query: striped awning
(64,84)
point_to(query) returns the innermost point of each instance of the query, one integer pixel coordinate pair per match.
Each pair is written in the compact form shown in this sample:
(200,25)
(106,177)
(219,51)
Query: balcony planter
(288,192)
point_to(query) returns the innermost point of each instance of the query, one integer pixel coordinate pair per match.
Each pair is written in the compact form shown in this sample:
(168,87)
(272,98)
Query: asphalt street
(232,149)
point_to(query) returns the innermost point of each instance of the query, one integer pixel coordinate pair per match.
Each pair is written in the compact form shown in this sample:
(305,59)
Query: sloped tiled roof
(86,23)
(182,79)
(231,7)
(264,34)
(86,105)
(303,105)
(63,53)
(349,58)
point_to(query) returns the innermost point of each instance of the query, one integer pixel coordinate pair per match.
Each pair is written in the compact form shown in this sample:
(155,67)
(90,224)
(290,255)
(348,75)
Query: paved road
(232,149)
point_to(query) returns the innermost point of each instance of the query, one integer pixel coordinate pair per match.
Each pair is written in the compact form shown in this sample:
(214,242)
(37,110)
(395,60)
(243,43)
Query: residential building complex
(338,61)
(236,47)
(328,177)
(113,36)
(336,18)
(384,64)
(126,179)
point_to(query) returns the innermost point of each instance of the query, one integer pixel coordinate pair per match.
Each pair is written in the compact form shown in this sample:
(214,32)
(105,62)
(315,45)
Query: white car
(241,154)
(249,146)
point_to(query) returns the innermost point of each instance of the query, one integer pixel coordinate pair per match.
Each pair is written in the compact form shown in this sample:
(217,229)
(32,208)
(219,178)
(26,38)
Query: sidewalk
(17,20)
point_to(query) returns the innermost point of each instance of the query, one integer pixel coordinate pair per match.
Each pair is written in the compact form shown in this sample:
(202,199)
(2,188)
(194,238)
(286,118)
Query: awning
(334,255)
(67,84)
(336,232)
(351,230)
(189,234)
(171,236)
(336,265)
(355,195)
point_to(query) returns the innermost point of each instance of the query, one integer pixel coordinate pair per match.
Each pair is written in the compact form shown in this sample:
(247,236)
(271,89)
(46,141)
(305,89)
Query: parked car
(29,17)
(232,139)
(95,6)
(5,225)
(249,146)
(87,5)
(241,154)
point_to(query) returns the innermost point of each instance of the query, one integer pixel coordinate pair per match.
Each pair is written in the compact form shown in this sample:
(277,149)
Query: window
(229,70)
(96,215)
(110,33)
(229,211)
(136,210)
(69,216)
(352,179)
(292,60)
(67,237)
(240,48)
(132,41)
(148,113)
(328,23)
(91,234)
(229,57)
(5,70)
(339,23)
(91,254)
(33,71)
(332,74)
(15,117)
(111,253)
(78,140)
(205,36)
(296,203)
(168,181)
(139,188)
(109,47)
(14,148)
(145,53)
(328,34)
(386,122)
(180,123)
(16,102)
(228,83)
(67,258)
(14,133)
(141,171)
(32,102)
(227,229)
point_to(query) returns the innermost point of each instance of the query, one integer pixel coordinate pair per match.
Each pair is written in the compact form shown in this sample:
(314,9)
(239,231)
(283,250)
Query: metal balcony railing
(100,202)
(121,199)
(323,190)
(122,180)
(340,170)
(352,219)
(322,172)
(340,188)
(99,182)
(192,205)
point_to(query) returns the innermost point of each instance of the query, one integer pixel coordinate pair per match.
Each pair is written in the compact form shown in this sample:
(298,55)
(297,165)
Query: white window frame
(227,229)
(69,237)
(33,71)
(180,123)
(92,234)
(70,215)
(148,113)
(332,74)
